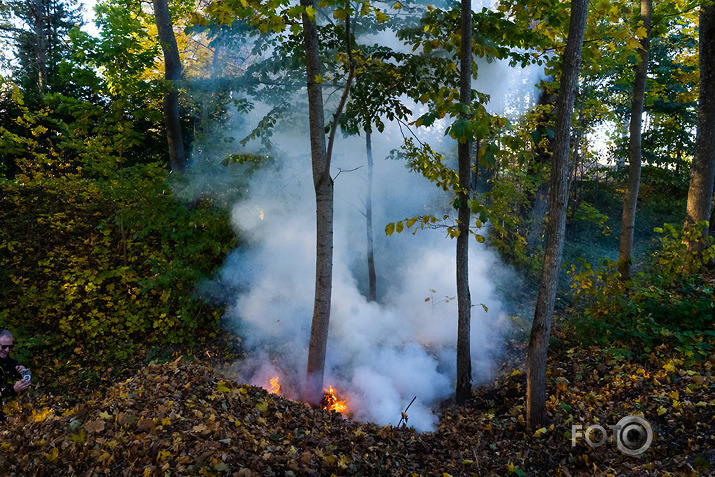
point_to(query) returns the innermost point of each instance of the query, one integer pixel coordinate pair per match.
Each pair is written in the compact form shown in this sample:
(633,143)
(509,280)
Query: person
(12,382)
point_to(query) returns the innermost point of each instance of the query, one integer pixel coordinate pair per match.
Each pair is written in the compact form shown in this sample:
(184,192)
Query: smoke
(381,355)
(384,356)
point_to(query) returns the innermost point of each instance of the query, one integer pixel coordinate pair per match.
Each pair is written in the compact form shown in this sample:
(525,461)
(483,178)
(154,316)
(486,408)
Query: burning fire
(331,402)
(275,387)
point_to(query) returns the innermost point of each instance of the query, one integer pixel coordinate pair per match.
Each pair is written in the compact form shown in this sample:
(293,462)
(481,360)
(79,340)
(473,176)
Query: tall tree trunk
(628,220)
(38,13)
(206,106)
(702,171)
(323,183)
(464,300)
(172,73)
(372,277)
(555,230)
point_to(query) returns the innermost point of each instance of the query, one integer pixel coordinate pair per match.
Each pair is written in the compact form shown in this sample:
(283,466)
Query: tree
(378,91)
(673,91)
(40,43)
(273,17)
(482,34)
(628,220)
(172,74)
(555,230)
(323,184)
(464,157)
(702,173)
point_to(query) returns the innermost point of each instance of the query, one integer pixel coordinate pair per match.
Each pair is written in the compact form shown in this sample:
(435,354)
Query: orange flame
(331,402)
(275,387)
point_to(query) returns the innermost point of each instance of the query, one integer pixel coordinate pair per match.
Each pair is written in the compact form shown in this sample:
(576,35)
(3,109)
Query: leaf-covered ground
(183,418)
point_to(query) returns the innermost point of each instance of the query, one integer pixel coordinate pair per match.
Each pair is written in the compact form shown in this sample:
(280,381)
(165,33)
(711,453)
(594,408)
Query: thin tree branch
(343,99)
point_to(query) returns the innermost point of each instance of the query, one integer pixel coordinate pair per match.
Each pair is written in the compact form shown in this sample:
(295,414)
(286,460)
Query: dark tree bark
(464,300)
(702,172)
(371,275)
(38,13)
(628,220)
(172,73)
(555,230)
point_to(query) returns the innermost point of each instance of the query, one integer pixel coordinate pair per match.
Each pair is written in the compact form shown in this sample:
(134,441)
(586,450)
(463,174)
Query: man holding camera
(14,378)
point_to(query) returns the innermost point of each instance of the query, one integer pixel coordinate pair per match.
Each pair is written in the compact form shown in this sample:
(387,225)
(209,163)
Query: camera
(26,375)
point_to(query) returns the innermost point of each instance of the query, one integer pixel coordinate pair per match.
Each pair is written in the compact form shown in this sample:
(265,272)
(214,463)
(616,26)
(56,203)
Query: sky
(88,10)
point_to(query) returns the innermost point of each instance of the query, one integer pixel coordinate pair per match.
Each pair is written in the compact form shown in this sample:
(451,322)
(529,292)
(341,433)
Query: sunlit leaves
(73,257)
(423,159)
(429,221)
(311,11)
(446,223)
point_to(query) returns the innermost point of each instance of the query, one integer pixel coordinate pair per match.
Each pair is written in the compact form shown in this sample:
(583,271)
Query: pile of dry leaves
(182,418)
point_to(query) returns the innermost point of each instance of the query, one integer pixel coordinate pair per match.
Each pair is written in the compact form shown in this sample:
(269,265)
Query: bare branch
(340,171)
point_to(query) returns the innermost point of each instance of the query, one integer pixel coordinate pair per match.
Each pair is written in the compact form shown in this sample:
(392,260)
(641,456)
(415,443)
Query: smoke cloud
(381,356)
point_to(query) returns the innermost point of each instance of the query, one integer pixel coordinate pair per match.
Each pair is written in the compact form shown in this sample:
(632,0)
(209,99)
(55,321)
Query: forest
(268,237)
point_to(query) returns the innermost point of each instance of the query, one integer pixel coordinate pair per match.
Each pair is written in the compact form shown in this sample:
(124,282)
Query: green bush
(106,267)
(667,303)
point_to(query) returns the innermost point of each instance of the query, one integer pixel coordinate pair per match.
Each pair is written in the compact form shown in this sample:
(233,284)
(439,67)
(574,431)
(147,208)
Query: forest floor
(181,417)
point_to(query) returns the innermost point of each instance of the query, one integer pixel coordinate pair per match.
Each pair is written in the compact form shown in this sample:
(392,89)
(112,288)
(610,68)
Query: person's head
(6,343)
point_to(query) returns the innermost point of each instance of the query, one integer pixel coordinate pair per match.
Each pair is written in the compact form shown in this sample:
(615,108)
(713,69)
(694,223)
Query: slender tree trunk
(323,183)
(464,300)
(38,13)
(206,106)
(555,229)
(702,172)
(372,278)
(537,203)
(172,73)
(628,220)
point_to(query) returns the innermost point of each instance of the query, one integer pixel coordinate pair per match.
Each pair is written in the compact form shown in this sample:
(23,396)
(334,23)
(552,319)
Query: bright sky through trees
(88,13)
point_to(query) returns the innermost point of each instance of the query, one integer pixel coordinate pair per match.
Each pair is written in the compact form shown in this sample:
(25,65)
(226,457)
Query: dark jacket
(8,377)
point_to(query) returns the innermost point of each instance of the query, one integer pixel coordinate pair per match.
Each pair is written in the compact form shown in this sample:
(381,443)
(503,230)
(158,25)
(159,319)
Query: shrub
(104,267)
(664,304)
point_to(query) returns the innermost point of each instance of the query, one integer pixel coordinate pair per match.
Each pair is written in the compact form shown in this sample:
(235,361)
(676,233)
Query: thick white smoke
(380,355)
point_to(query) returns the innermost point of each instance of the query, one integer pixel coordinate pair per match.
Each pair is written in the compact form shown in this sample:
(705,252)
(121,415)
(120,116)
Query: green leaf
(461,130)
(389,228)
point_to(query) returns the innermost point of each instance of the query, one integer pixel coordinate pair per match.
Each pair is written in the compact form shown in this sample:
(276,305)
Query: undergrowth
(671,302)
(96,271)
